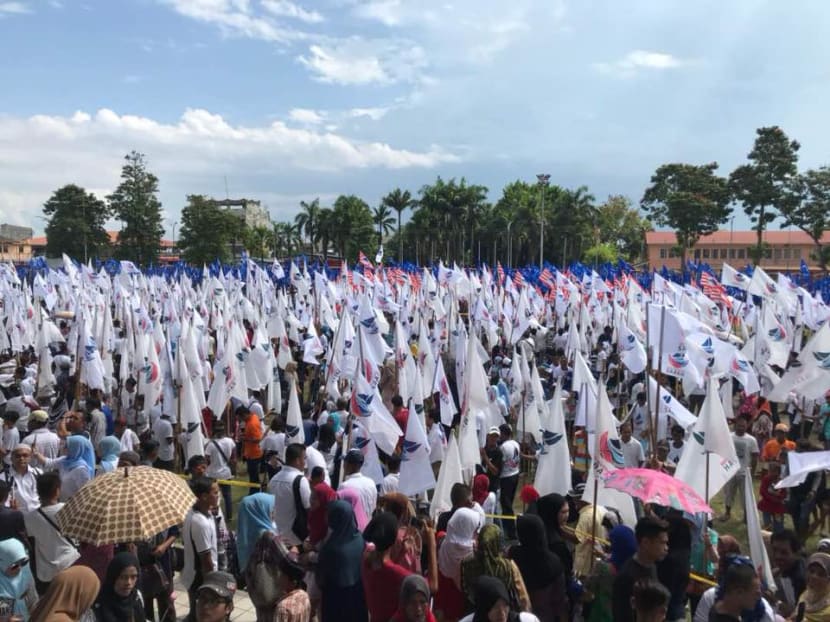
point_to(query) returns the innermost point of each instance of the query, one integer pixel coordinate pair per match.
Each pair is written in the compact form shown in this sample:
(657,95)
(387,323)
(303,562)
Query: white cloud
(284,8)
(375,114)
(305,115)
(638,60)
(44,152)
(235,18)
(16,8)
(356,60)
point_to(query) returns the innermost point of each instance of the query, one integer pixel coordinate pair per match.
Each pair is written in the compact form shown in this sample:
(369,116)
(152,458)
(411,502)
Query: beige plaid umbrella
(131,504)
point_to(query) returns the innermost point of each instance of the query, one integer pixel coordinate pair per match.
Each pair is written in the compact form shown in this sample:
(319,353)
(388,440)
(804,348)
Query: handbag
(154,580)
(300,524)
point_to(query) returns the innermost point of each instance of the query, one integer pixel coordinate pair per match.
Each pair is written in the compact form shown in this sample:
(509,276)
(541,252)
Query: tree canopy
(206,231)
(76,224)
(689,198)
(769,183)
(135,204)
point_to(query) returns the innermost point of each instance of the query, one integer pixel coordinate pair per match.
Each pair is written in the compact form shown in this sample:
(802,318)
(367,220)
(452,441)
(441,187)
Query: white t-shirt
(24,488)
(198,536)
(47,443)
(315,458)
(390,484)
(511,453)
(639,420)
(162,431)
(218,468)
(274,441)
(675,453)
(708,600)
(11,438)
(633,453)
(284,513)
(367,489)
(129,440)
(53,552)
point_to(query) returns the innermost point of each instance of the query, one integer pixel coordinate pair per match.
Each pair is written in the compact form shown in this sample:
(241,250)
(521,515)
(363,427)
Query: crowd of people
(308,516)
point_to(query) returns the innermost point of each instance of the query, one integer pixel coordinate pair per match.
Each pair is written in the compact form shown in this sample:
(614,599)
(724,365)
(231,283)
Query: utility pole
(543,181)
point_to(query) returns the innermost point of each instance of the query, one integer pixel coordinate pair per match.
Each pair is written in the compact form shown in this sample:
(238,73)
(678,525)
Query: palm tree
(325,230)
(398,200)
(307,220)
(382,217)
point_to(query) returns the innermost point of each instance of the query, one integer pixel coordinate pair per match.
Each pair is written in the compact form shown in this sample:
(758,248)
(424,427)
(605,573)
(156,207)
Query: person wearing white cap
(41,437)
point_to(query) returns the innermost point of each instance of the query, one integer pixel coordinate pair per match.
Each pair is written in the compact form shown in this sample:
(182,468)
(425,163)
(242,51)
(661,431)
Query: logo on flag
(371,325)
(740,366)
(409,448)
(678,360)
(611,451)
(363,404)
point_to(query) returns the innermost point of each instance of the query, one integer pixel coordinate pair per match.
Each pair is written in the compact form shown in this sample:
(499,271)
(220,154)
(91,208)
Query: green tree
(354,227)
(308,219)
(76,224)
(134,203)
(206,231)
(690,199)
(398,200)
(287,238)
(606,252)
(620,225)
(325,230)
(768,184)
(258,241)
(811,213)
(383,219)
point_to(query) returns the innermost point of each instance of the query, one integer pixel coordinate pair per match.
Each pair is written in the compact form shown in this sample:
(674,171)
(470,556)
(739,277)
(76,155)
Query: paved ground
(243,610)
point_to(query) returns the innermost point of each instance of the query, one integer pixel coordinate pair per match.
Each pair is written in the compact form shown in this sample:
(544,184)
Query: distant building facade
(785,250)
(15,232)
(250,212)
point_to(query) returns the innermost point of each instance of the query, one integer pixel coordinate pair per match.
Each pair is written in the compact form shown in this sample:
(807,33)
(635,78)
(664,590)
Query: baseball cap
(782,427)
(41,416)
(493,430)
(220,583)
(354,456)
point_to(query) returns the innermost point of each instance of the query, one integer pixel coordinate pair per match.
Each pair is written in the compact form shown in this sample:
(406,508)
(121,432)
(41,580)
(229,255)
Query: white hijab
(458,543)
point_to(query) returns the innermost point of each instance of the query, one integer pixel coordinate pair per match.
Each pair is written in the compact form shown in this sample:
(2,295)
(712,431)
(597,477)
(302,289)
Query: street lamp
(509,243)
(543,181)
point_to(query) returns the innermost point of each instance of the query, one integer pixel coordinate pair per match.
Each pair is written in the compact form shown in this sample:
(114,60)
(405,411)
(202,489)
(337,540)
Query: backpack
(300,524)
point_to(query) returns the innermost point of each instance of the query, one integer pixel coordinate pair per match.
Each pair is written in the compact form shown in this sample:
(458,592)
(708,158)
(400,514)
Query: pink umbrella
(656,487)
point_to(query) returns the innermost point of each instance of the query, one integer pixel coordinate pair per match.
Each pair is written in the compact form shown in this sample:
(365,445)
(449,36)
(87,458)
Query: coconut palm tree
(382,217)
(307,220)
(398,200)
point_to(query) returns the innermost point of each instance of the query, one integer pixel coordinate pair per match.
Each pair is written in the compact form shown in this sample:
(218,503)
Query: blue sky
(291,100)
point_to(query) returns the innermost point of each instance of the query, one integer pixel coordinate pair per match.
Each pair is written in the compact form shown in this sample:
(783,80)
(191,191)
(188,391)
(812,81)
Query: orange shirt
(252,435)
(772,449)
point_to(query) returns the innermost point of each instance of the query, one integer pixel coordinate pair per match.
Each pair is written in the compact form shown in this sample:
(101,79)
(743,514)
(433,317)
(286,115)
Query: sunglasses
(20,563)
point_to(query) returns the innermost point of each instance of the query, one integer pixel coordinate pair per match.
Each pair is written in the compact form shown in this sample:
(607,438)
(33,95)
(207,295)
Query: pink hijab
(353,497)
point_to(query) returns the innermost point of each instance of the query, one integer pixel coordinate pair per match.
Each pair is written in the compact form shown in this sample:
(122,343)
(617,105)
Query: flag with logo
(416,469)
(553,471)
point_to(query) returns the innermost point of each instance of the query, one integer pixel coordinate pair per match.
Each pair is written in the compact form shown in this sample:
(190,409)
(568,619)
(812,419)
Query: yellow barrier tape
(230,482)
(694,577)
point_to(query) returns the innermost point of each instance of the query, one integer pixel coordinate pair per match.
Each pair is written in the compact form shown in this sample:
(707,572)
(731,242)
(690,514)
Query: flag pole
(596,479)
(655,415)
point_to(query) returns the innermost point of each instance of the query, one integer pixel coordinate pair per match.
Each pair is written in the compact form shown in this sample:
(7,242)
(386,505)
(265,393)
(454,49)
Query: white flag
(449,475)
(294,431)
(757,550)
(368,406)
(416,469)
(553,472)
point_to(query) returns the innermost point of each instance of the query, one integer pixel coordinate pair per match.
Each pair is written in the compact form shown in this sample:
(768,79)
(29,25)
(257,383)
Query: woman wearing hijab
(109,448)
(76,468)
(119,599)
(542,571)
(598,585)
(407,548)
(414,601)
(69,597)
(321,496)
(488,560)
(816,598)
(493,603)
(253,520)
(483,496)
(17,587)
(353,497)
(457,545)
(339,567)
(553,510)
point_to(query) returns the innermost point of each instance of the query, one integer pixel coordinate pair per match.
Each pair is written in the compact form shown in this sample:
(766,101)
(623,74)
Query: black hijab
(489,591)
(539,567)
(341,554)
(112,607)
(547,507)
